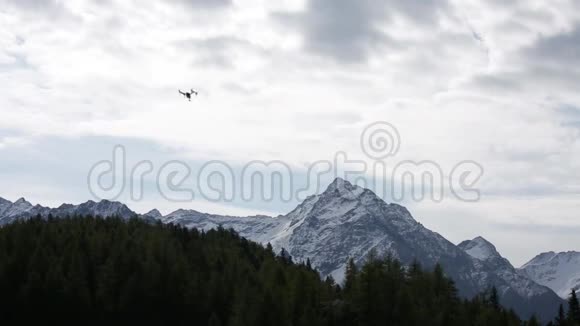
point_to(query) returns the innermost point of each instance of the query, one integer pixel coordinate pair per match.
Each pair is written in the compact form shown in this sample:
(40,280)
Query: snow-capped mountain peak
(154,213)
(22,209)
(4,205)
(104,208)
(540,259)
(558,271)
(479,248)
(343,188)
(22,203)
(19,207)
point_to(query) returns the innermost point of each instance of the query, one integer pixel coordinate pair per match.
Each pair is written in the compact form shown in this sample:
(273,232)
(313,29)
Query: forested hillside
(94,270)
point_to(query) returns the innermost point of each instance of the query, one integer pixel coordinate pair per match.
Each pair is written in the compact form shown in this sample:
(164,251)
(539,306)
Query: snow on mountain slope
(22,209)
(18,207)
(558,271)
(154,214)
(257,228)
(347,221)
(343,222)
(513,281)
(479,248)
(4,204)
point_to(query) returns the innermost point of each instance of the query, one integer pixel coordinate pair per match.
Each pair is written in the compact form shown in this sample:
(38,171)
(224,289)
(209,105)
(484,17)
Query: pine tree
(494,298)
(533,321)
(285,256)
(573,308)
(214,320)
(561,318)
(350,276)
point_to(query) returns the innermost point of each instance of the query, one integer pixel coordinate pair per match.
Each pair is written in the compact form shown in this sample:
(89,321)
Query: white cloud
(293,80)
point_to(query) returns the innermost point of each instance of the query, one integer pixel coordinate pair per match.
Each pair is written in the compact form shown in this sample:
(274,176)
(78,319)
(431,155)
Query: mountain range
(347,221)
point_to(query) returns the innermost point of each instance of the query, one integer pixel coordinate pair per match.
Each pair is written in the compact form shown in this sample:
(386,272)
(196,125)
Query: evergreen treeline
(572,316)
(93,270)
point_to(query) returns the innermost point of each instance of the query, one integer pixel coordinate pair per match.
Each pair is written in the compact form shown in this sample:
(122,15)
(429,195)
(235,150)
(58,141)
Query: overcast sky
(493,81)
